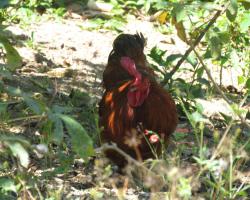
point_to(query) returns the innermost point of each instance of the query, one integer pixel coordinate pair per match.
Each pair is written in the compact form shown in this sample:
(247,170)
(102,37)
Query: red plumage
(133,102)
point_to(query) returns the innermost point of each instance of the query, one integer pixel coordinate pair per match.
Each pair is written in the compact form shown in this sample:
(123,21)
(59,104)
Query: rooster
(135,112)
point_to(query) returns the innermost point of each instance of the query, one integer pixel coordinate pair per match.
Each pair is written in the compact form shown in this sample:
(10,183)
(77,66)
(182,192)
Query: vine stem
(192,46)
(26,118)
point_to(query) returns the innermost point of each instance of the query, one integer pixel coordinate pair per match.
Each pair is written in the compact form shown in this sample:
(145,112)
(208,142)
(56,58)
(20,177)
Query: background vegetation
(210,162)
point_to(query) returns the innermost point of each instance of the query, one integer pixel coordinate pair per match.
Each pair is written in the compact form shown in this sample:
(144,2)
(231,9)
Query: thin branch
(211,78)
(55,91)
(25,189)
(226,132)
(114,147)
(34,117)
(196,42)
(220,91)
(143,170)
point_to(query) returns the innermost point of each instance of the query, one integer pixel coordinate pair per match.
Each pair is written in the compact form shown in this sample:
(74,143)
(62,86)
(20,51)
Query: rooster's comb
(125,43)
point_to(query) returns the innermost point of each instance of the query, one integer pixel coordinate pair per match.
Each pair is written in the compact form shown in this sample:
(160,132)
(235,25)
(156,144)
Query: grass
(44,150)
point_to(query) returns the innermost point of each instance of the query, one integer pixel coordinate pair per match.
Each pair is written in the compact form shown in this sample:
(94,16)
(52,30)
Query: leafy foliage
(220,145)
(53,121)
(13,58)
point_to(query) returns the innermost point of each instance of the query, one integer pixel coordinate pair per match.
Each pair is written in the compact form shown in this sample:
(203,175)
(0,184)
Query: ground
(68,56)
(62,54)
(64,46)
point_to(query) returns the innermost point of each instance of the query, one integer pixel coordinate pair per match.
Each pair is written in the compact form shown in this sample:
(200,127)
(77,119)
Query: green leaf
(245,22)
(114,24)
(204,82)
(196,90)
(226,117)
(57,133)
(235,59)
(179,136)
(81,142)
(14,60)
(184,188)
(65,163)
(5,73)
(179,12)
(224,59)
(192,60)
(157,55)
(210,6)
(238,110)
(93,24)
(171,58)
(63,109)
(199,107)
(248,84)
(187,113)
(13,91)
(7,185)
(233,7)
(224,37)
(197,117)
(245,3)
(200,72)
(33,105)
(13,138)
(147,5)
(232,10)
(130,3)
(60,12)
(241,79)
(215,46)
(20,152)
(180,30)
(3,107)
(4,3)
(207,54)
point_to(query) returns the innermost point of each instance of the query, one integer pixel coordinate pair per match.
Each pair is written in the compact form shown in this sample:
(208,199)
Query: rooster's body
(133,102)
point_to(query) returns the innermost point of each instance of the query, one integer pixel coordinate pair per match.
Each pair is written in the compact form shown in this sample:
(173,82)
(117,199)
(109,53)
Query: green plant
(115,23)
(222,41)
(53,121)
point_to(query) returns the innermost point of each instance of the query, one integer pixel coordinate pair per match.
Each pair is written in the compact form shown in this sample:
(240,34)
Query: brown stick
(191,48)
(145,172)
(211,78)
(114,147)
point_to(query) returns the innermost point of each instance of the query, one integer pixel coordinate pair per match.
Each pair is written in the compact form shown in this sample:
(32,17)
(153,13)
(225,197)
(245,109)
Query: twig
(41,86)
(55,91)
(211,78)
(144,170)
(196,42)
(215,154)
(26,118)
(219,90)
(26,190)
(114,147)
(225,133)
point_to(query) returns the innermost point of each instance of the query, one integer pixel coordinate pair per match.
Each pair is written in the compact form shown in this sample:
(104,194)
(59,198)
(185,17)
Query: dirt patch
(63,49)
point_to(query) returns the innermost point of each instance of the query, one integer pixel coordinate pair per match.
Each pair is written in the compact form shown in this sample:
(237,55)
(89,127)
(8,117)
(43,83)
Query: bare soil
(62,54)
